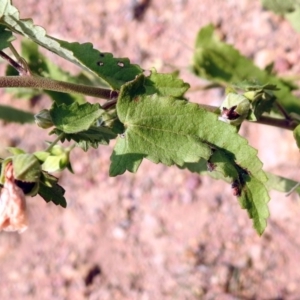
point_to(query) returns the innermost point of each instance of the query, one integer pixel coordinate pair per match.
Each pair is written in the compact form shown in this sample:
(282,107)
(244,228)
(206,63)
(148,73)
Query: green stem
(58,138)
(55,85)
(14,52)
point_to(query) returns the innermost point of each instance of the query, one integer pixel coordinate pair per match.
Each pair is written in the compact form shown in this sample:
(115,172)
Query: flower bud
(234,109)
(43,119)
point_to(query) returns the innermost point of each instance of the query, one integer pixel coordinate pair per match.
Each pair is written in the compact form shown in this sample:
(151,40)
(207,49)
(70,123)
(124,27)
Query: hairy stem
(58,138)
(55,85)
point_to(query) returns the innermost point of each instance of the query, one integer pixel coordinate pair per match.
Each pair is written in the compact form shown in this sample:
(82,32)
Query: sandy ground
(162,233)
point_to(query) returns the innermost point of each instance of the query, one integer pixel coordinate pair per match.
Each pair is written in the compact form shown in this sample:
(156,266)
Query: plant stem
(58,138)
(55,85)
(283,111)
(13,63)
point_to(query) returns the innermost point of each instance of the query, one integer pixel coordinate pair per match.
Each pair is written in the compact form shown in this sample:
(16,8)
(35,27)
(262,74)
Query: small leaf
(50,190)
(279,6)
(254,198)
(281,184)
(92,137)
(75,118)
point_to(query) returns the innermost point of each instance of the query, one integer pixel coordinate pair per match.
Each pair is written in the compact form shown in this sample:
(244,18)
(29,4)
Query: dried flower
(12,204)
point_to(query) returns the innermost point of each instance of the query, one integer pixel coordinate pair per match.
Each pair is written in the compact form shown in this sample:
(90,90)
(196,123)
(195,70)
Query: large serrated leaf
(114,71)
(172,131)
(222,63)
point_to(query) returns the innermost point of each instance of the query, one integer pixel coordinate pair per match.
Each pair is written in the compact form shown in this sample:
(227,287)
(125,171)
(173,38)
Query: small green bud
(58,159)
(234,109)
(43,119)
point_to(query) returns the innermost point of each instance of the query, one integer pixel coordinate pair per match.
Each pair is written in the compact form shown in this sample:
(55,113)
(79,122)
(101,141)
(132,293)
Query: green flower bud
(234,109)
(58,159)
(43,119)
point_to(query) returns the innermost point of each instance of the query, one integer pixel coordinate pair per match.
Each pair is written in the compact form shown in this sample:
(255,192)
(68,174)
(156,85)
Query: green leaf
(10,114)
(172,131)
(114,71)
(50,190)
(221,63)
(75,118)
(41,155)
(26,167)
(156,127)
(122,159)
(254,198)
(92,137)
(252,193)
(165,85)
(281,184)
(15,150)
(289,8)
(6,37)
(281,7)
(294,18)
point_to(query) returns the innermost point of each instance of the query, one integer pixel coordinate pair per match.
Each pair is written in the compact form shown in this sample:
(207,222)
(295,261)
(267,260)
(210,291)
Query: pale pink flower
(12,204)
